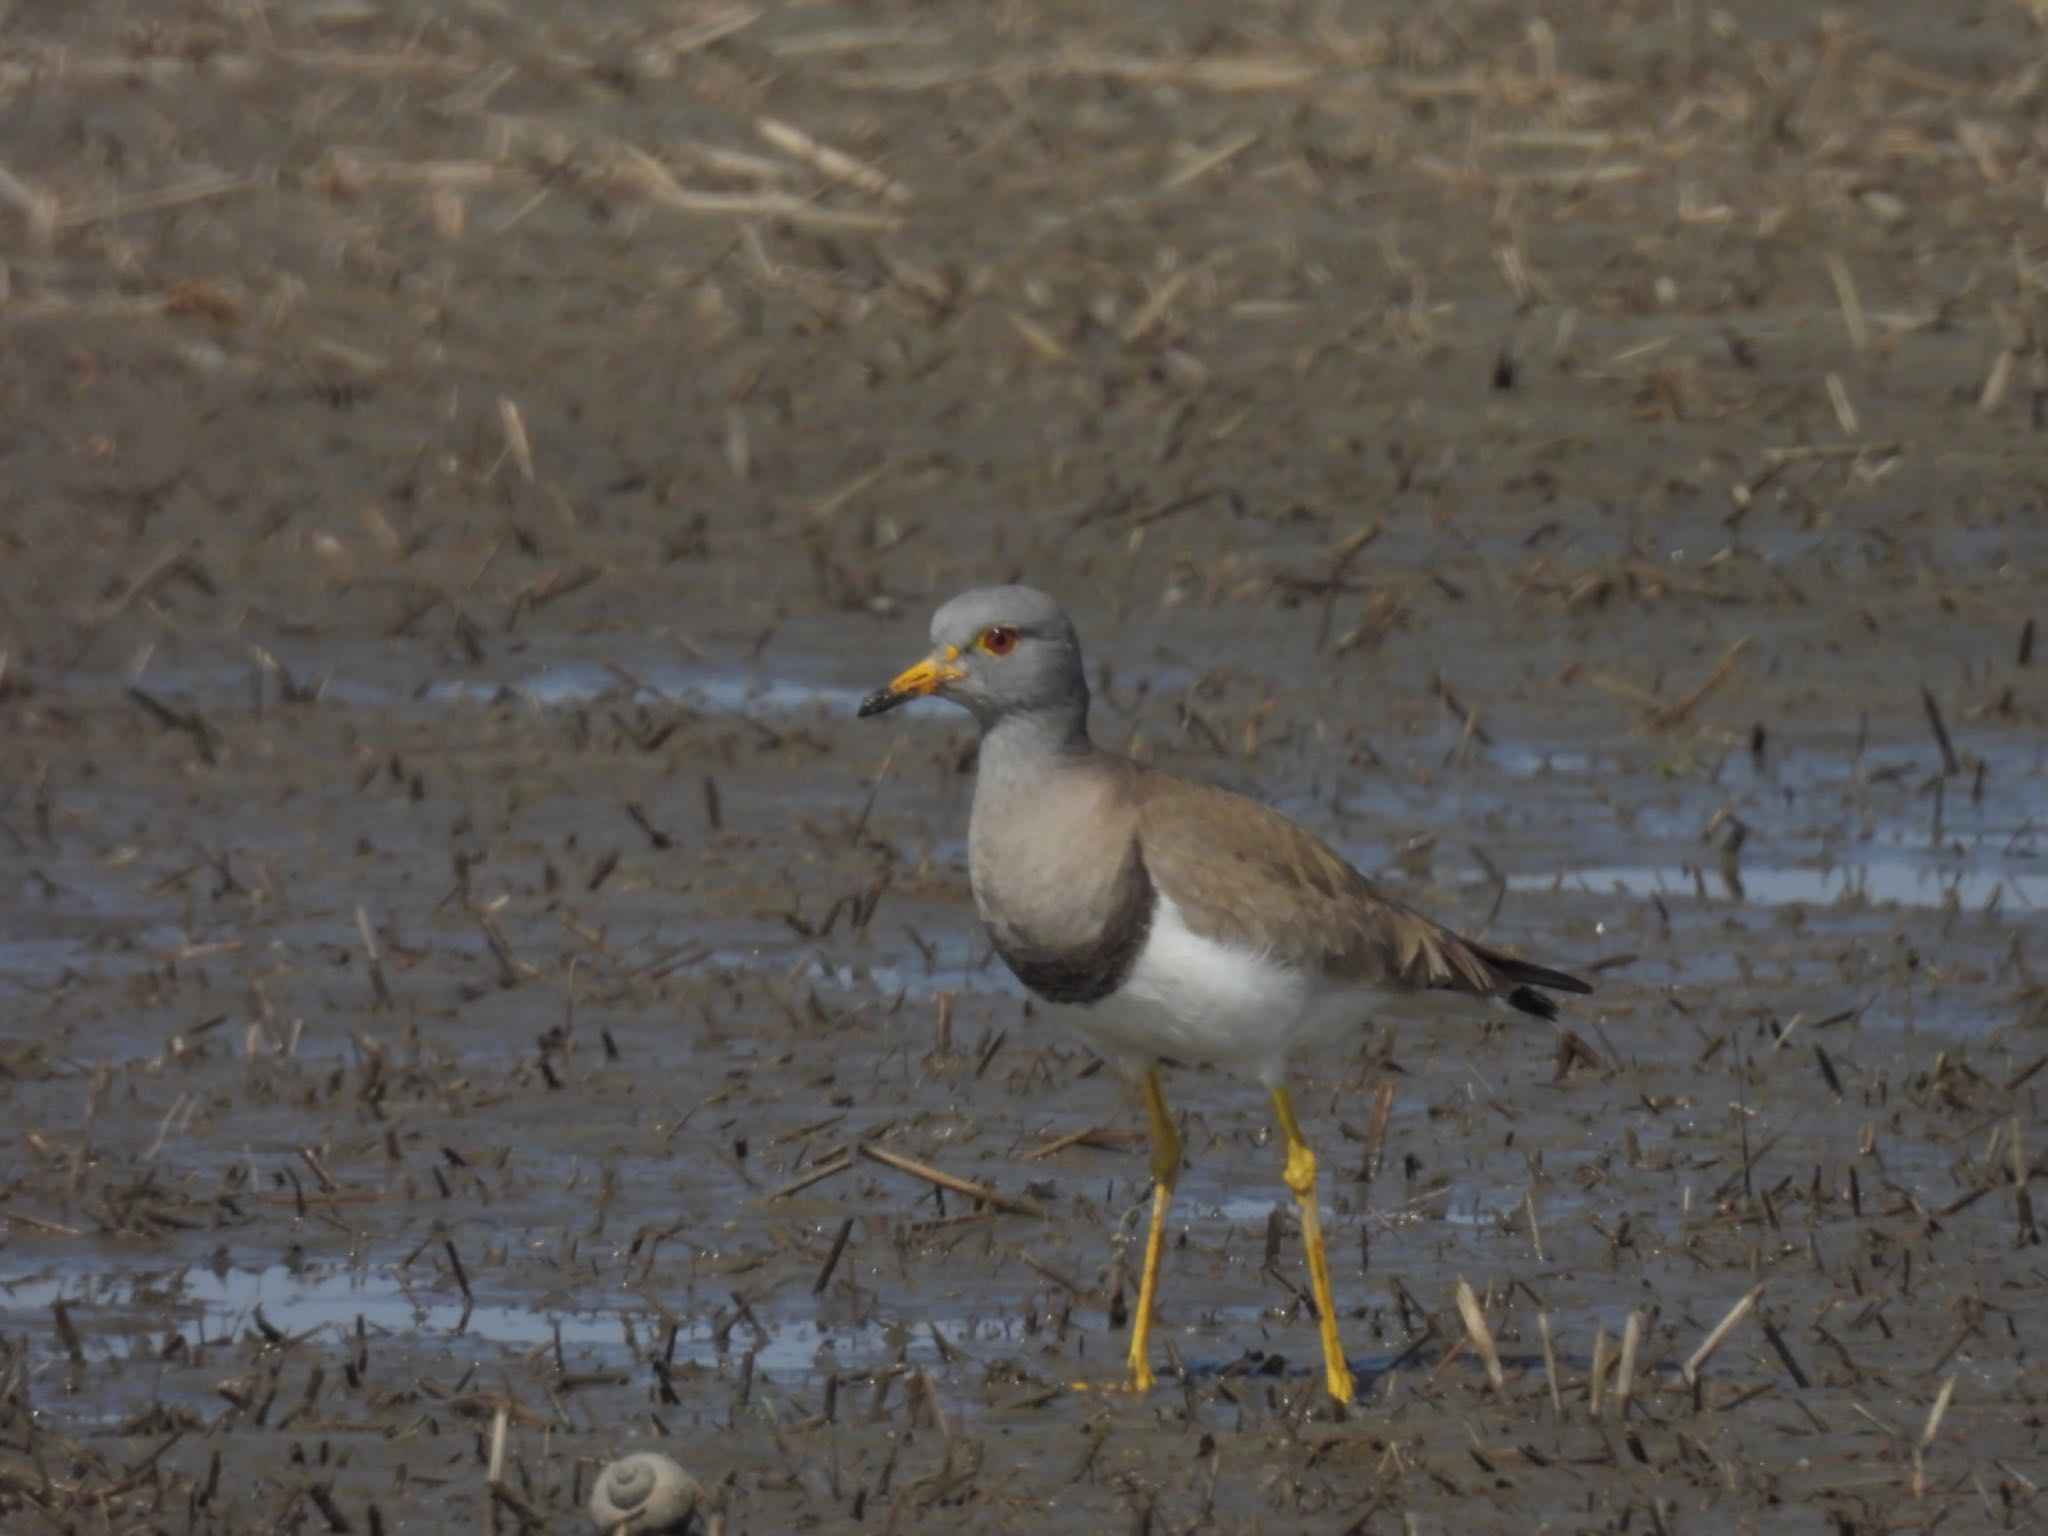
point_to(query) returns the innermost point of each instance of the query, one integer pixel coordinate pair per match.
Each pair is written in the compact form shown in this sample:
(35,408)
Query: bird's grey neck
(1022,743)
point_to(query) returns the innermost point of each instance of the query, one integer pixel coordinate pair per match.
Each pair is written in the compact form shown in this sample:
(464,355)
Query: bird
(1171,920)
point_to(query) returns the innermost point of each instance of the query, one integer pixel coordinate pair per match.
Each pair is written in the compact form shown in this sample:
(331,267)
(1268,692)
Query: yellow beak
(928,676)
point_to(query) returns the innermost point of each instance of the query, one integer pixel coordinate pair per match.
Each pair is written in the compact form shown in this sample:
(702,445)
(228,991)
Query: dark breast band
(1088,973)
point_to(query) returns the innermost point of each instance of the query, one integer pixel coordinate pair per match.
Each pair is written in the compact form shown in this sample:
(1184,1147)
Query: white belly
(1193,999)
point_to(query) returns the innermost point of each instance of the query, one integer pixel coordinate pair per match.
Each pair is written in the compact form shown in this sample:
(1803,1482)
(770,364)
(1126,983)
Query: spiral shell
(643,1494)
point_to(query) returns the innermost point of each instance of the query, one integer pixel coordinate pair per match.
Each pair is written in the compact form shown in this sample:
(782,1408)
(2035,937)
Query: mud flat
(475,1001)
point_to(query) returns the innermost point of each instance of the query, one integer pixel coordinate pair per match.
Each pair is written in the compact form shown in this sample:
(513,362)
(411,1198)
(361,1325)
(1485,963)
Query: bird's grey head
(999,652)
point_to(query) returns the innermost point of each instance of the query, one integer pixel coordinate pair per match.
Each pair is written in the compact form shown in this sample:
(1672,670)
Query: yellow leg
(1165,1169)
(1300,1175)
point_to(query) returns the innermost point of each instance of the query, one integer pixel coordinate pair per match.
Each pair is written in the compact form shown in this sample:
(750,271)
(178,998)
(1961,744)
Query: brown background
(459,464)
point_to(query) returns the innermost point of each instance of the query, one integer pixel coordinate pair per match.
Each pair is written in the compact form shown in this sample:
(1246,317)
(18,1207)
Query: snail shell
(643,1494)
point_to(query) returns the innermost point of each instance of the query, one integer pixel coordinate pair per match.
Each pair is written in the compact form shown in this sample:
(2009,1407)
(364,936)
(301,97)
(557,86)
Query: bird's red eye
(999,641)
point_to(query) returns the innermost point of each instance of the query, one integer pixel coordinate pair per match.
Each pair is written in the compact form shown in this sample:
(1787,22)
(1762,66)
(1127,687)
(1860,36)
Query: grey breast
(1090,969)
(1061,882)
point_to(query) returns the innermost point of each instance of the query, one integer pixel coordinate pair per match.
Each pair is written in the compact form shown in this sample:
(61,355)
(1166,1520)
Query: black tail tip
(1529,1000)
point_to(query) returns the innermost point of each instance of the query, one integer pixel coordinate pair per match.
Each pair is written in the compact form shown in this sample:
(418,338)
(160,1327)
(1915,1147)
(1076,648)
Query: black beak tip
(880,702)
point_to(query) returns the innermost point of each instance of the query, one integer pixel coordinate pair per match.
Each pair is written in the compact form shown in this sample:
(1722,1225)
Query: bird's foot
(1341,1383)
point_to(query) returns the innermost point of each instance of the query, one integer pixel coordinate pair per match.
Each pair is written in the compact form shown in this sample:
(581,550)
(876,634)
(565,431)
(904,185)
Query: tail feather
(1523,977)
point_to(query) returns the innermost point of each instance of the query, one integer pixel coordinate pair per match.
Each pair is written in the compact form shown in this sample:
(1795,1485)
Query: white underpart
(1193,999)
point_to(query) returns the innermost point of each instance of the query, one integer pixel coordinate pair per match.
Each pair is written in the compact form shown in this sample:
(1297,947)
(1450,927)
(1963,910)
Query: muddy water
(460,956)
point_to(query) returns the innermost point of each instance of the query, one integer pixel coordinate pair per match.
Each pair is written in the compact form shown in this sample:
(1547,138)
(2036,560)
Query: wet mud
(476,1002)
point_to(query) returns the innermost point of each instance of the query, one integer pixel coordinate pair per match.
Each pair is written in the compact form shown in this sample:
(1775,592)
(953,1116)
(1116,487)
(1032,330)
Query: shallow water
(1877,882)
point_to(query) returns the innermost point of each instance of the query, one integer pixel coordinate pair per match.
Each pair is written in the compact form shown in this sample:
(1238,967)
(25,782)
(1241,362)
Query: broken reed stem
(1784,1353)
(1950,764)
(1671,714)
(832,1259)
(1926,1440)
(1059,1144)
(1854,321)
(2023,1202)
(1719,1335)
(204,188)
(378,984)
(1550,1366)
(834,164)
(1376,1129)
(38,209)
(817,1173)
(1625,1374)
(775,205)
(500,1422)
(867,808)
(517,444)
(944,1180)
(1195,170)
(1596,1383)
(1481,1335)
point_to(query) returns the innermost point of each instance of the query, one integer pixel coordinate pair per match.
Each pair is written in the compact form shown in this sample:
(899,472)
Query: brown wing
(1241,873)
